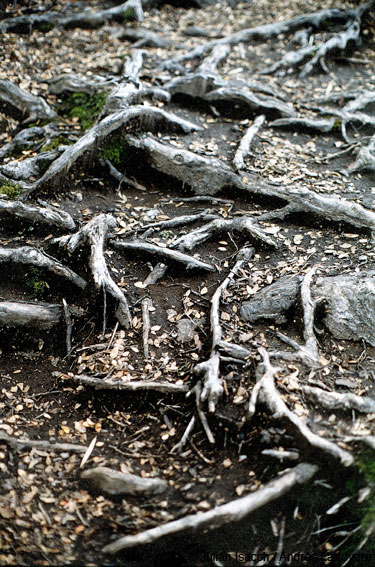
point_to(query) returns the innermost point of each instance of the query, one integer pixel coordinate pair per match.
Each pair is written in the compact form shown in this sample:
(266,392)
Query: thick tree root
(265,392)
(139,117)
(49,216)
(33,257)
(94,234)
(29,167)
(334,400)
(116,483)
(86,19)
(233,511)
(174,255)
(21,314)
(29,106)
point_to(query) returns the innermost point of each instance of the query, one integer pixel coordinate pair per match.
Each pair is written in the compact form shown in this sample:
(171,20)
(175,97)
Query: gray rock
(273,301)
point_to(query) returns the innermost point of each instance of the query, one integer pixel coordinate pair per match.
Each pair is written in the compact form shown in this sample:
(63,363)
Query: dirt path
(145,345)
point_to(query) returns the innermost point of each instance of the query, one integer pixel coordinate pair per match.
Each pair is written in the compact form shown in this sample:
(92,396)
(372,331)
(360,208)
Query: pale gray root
(85,19)
(202,416)
(30,256)
(244,146)
(29,167)
(133,386)
(22,444)
(236,352)
(182,220)
(36,315)
(360,101)
(115,483)
(72,83)
(182,442)
(309,306)
(139,117)
(265,392)
(291,60)
(143,38)
(156,274)
(219,225)
(210,368)
(31,107)
(208,176)
(50,216)
(94,234)
(68,325)
(91,19)
(34,137)
(335,400)
(299,122)
(254,102)
(233,511)
(211,63)
(146,304)
(365,159)
(140,245)
(281,455)
(339,42)
(316,20)
(122,178)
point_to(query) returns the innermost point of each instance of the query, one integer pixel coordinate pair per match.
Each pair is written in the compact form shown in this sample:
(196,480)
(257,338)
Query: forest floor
(48,516)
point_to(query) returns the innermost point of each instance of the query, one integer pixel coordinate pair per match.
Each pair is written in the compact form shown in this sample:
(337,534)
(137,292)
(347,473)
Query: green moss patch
(116,151)
(83,106)
(10,190)
(35,283)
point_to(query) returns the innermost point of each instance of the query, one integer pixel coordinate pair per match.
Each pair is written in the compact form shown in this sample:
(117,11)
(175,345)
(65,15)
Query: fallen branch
(233,511)
(146,304)
(265,392)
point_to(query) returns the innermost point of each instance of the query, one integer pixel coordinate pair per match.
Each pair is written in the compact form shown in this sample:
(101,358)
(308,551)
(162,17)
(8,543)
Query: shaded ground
(48,516)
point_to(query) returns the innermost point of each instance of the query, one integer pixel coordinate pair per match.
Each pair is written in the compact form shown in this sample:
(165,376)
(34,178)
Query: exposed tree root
(219,225)
(86,19)
(174,255)
(116,483)
(31,107)
(49,216)
(37,315)
(94,234)
(140,117)
(132,386)
(365,159)
(266,393)
(335,400)
(33,257)
(316,20)
(210,368)
(23,443)
(244,147)
(233,511)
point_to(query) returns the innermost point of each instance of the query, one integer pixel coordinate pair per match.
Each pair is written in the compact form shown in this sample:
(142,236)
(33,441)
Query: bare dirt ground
(49,516)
